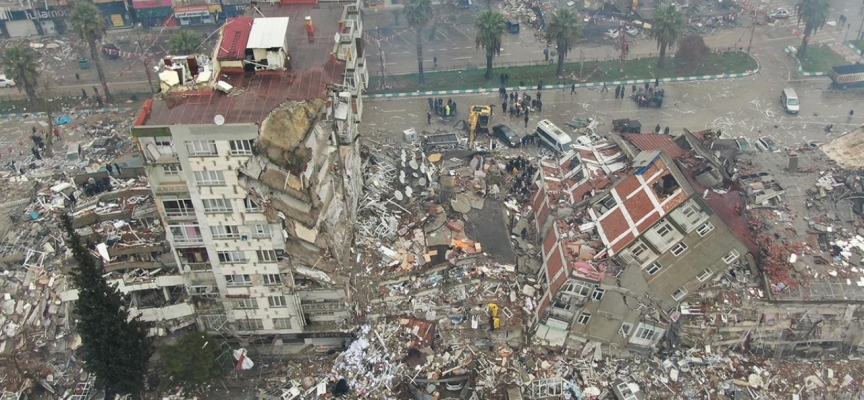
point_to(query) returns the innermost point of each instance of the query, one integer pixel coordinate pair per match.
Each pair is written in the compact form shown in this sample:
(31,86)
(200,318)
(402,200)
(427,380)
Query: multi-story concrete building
(253,158)
(616,269)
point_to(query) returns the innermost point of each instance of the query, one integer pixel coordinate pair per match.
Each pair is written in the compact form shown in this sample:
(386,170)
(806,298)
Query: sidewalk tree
(418,13)
(190,363)
(563,32)
(89,24)
(116,348)
(185,42)
(490,26)
(19,64)
(668,22)
(814,14)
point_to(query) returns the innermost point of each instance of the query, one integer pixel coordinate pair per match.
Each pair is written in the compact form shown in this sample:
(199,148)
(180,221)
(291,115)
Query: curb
(791,53)
(855,49)
(90,111)
(563,86)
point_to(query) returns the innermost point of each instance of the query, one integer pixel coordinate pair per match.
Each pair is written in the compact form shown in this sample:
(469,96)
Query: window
(241,147)
(705,275)
(625,329)
(225,232)
(689,216)
(251,205)
(281,323)
(238,280)
(732,256)
(584,318)
(277,301)
(247,304)
(704,229)
(178,208)
(272,279)
(229,257)
(647,333)
(171,169)
(266,256)
(217,205)
(664,229)
(688,211)
(260,230)
(653,268)
(579,288)
(598,294)
(201,147)
(663,235)
(209,178)
(249,324)
(186,233)
(163,141)
(679,248)
(680,293)
(606,204)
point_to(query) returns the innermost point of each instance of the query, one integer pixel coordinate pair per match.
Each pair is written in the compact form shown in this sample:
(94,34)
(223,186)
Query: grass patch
(859,44)
(602,71)
(820,59)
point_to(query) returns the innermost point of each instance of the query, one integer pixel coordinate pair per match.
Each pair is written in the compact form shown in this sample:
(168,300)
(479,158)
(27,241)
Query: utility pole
(382,82)
(752,30)
(624,47)
(859,28)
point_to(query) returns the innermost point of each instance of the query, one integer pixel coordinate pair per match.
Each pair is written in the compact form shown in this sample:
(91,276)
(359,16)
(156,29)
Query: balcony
(179,215)
(182,241)
(171,188)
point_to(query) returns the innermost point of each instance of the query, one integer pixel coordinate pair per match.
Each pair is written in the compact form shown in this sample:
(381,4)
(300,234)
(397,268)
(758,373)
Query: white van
(789,100)
(553,136)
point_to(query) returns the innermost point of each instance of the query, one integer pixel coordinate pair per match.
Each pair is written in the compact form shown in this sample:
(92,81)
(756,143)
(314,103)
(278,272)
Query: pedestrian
(77,78)
(604,88)
(539,85)
(539,105)
(504,106)
(666,131)
(573,89)
(647,86)
(35,153)
(633,91)
(656,82)
(538,96)
(99,100)
(431,104)
(617,91)
(83,94)
(117,169)
(526,119)
(57,132)
(95,90)
(546,53)
(34,129)
(435,62)
(108,168)
(428,118)
(851,113)
(506,78)
(657,128)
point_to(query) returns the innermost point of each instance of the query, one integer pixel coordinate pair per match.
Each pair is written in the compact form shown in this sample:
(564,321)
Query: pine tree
(116,349)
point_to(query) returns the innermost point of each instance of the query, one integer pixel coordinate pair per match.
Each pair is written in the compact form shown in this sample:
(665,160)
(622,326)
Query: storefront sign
(46,14)
(192,12)
(144,4)
(117,20)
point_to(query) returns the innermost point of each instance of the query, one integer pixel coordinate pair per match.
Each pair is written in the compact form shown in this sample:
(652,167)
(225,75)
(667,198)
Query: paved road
(747,106)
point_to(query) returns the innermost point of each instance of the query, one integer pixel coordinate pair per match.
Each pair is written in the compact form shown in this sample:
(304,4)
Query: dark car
(111,51)
(513,25)
(506,135)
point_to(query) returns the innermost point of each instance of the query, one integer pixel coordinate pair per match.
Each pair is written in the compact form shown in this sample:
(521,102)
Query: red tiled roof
(655,141)
(235,34)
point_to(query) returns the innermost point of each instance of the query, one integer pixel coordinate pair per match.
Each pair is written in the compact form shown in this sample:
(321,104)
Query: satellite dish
(422,181)
(403,156)
(423,168)
(413,164)
(414,174)
(409,191)
(219,119)
(398,195)
(402,177)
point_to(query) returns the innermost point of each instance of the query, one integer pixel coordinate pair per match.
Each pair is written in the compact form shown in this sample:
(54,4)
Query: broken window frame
(679,249)
(277,301)
(209,178)
(200,148)
(604,205)
(584,318)
(583,286)
(731,257)
(272,279)
(163,141)
(238,280)
(251,205)
(597,295)
(266,256)
(232,256)
(171,169)
(247,304)
(219,205)
(705,275)
(653,268)
(225,231)
(646,335)
(625,332)
(705,229)
(679,294)
(183,208)
(240,147)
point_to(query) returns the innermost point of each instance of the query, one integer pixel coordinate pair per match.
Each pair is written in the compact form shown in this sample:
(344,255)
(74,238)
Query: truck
(441,142)
(847,76)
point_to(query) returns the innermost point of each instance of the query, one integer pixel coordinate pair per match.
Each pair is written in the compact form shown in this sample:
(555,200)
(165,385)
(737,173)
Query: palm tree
(418,13)
(89,24)
(668,22)
(814,13)
(185,42)
(19,64)
(563,32)
(490,26)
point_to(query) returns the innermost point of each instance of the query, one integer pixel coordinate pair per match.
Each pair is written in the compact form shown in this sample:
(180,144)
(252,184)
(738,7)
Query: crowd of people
(518,106)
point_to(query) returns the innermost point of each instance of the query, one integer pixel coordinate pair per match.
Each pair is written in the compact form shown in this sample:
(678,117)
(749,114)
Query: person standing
(428,118)
(431,104)
(656,82)
(546,53)
(77,77)
(526,119)
(83,94)
(95,91)
(617,91)
(657,128)
(666,131)
(572,89)
(117,169)
(435,62)
(604,88)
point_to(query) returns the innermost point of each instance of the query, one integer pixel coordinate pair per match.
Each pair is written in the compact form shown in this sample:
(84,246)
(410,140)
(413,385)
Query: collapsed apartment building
(253,158)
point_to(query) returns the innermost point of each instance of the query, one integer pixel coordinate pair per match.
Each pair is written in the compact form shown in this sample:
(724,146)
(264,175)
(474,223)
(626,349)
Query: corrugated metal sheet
(267,33)
(235,35)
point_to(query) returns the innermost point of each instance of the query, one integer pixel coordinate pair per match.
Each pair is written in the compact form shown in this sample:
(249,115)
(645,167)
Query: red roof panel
(655,141)
(234,38)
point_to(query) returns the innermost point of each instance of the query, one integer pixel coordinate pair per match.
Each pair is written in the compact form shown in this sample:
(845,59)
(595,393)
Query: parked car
(744,146)
(6,82)
(506,135)
(612,34)
(766,143)
(780,13)
(632,30)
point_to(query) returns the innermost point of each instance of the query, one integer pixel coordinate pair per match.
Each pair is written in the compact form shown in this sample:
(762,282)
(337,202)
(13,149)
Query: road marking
(500,55)
(462,58)
(456,48)
(442,49)
(392,111)
(405,52)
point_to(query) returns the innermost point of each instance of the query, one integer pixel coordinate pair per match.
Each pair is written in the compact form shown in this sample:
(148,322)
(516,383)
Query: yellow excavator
(479,118)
